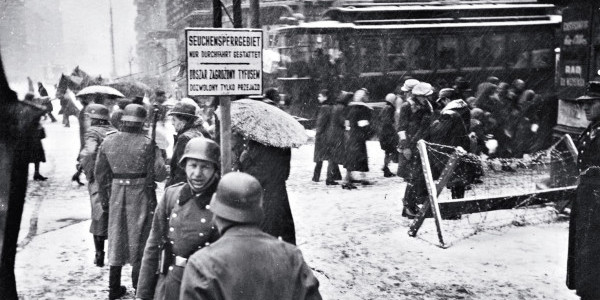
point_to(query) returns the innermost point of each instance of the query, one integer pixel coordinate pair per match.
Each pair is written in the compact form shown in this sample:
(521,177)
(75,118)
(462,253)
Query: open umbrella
(100,90)
(266,124)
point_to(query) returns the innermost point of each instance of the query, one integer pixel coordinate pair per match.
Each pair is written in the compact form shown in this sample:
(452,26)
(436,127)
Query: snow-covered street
(356,241)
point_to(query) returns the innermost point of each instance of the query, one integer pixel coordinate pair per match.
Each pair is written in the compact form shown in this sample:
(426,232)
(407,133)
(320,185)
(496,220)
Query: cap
(422,89)
(391,98)
(409,84)
(238,198)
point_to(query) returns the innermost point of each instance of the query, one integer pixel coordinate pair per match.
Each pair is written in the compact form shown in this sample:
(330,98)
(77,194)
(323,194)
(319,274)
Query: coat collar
(186,193)
(243,230)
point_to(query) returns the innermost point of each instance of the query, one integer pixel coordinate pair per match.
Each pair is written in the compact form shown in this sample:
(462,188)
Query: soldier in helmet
(182,222)
(184,118)
(583,264)
(241,263)
(99,127)
(127,166)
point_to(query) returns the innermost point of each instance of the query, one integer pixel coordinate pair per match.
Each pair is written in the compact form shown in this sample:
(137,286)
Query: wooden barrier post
(431,190)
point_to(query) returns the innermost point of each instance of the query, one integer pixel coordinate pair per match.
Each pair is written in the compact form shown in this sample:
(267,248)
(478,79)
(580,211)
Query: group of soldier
(195,242)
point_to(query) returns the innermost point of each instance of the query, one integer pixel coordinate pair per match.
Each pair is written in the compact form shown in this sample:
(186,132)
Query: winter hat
(409,84)
(422,89)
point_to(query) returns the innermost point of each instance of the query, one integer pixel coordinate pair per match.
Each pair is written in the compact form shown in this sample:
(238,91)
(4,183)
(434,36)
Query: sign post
(224,62)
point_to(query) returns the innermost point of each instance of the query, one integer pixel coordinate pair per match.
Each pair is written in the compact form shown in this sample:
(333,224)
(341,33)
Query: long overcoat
(182,219)
(583,264)
(336,133)
(271,166)
(246,263)
(87,159)
(322,143)
(187,133)
(122,171)
(359,131)
(388,139)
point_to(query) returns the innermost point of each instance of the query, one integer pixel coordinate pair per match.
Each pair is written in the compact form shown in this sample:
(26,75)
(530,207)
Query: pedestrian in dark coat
(271,166)
(182,223)
(453,129)
(414,122)
(126,172)
(246,263)
(337,130)
(323,147)
(36,153)
(405,92)
(583,265)
(93,138)
(358,131)
(388,139)
(184,117)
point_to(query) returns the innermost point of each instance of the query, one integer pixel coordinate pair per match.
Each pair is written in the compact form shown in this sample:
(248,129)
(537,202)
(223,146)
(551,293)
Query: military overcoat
(183,220)
(87,159)
(123,169)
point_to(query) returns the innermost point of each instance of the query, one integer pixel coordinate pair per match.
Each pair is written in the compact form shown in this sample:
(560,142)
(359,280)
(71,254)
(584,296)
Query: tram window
(530,50)
(485,51)
(370,52)
(299,52)
(447,51)
(410,53)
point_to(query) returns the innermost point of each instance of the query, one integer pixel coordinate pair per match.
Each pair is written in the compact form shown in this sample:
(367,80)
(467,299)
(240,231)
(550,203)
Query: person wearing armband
(414,122)
(182,222)
(583,264)
(358,130)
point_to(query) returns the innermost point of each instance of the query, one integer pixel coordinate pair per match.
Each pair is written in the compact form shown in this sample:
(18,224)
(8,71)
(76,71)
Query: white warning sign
(224,61)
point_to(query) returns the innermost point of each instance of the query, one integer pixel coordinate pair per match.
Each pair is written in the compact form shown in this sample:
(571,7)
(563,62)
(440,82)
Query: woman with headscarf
(358,130)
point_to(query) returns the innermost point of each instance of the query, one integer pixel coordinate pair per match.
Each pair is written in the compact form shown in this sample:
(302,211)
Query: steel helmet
(97,111)
(203,149)
(134,113)
(183,109)
(238,198)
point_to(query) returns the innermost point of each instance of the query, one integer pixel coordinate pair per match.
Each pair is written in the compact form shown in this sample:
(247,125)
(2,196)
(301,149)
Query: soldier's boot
(99,246)
(115,289)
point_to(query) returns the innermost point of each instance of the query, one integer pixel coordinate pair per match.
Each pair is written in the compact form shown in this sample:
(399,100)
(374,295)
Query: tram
(377,45)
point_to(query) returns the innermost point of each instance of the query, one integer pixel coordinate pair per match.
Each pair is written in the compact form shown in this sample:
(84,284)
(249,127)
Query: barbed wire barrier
(468,194)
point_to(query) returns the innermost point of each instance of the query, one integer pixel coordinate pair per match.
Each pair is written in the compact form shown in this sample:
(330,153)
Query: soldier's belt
(136,181)
(129,175)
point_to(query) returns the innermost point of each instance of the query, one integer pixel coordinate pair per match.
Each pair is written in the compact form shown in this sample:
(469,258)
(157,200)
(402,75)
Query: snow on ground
(355,241)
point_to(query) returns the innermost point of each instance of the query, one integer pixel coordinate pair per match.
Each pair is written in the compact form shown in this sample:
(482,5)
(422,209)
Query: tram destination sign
(224,61)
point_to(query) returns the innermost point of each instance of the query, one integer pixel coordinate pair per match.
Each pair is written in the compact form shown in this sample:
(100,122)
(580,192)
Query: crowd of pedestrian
(498,120)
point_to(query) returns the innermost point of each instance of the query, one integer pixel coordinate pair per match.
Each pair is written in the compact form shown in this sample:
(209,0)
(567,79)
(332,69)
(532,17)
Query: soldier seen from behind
(182,222)
(93,138)
(127,166)
(184,120)
(246,263)
(583,265)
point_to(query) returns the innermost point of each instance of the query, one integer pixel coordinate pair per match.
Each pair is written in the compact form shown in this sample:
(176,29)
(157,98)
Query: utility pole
(254,14)
(224,105)
(237,13)
(112,41)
